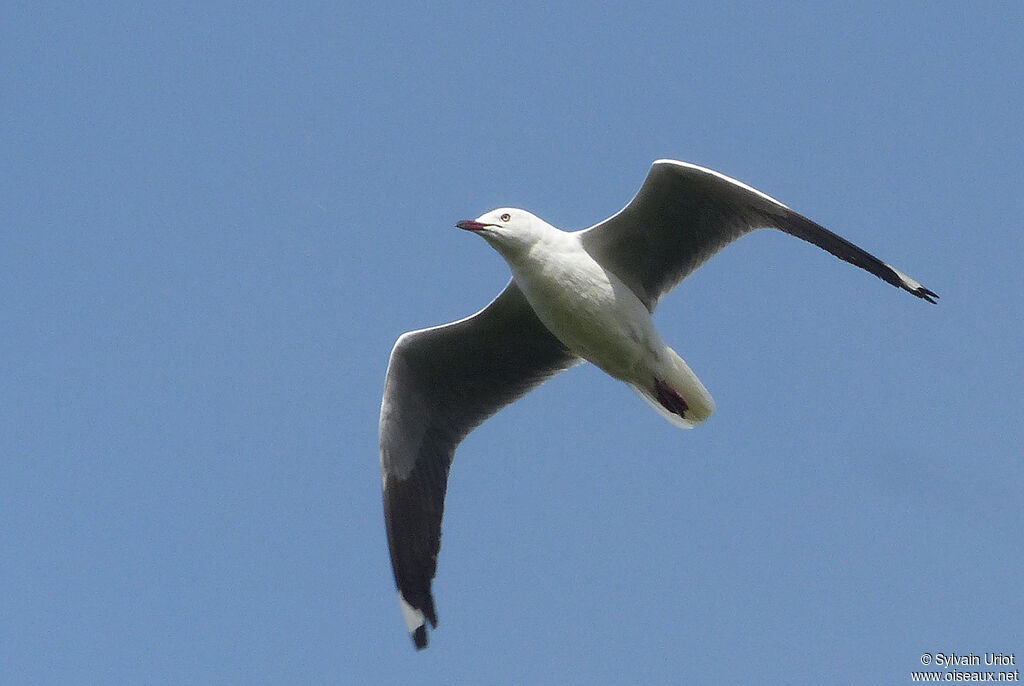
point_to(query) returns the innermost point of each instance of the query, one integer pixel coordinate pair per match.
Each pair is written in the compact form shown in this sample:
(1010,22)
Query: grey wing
(684,214)
(441,383)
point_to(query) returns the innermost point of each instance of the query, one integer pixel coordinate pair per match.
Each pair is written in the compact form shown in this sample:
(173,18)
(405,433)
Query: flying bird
(574,296)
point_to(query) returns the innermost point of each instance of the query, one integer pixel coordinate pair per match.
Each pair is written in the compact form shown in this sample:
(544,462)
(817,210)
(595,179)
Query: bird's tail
(676,392)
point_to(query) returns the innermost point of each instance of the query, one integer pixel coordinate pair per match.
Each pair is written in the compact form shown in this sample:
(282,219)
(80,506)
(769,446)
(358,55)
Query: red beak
(470,225)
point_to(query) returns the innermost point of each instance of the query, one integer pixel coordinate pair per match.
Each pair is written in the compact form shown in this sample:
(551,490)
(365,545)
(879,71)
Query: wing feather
(684,214)
(441,383)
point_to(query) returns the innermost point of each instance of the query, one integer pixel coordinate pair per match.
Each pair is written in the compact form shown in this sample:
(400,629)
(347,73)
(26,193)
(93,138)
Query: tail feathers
(675,392)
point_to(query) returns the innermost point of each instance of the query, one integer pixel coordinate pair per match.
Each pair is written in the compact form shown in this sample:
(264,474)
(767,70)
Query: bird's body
(583,295)
(599,318)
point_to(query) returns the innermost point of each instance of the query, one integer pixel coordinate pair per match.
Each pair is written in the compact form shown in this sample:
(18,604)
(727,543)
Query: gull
(573,296)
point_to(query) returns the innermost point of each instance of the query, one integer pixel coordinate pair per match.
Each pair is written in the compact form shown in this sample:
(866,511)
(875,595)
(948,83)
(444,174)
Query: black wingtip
(926,294)
(901,280)
(419,637)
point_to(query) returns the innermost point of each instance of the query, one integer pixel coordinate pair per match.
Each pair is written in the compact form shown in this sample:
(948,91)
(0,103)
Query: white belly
(600,319)
(593,313)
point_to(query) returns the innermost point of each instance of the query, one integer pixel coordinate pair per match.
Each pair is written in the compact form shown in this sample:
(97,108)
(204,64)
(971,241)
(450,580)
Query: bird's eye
(505,217)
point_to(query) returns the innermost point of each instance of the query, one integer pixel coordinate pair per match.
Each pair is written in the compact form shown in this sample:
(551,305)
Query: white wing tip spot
(414,619)
(910,283)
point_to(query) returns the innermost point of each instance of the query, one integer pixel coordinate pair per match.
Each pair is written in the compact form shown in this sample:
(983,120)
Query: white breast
(588,308)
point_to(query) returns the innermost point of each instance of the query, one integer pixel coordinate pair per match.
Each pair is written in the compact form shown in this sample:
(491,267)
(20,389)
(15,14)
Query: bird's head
(509,230)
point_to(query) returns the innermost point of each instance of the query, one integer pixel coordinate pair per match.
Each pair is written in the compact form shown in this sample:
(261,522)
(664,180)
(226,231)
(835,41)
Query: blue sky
(217,217)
